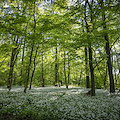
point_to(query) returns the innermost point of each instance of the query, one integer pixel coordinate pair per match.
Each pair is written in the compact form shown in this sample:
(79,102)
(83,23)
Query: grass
(54,103)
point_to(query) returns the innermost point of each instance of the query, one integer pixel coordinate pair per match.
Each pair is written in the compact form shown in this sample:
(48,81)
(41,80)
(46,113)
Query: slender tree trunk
(91,72)
(115,77)
(80,78)
(34,68)
(114,62)
(68,69)
(105,78)
(12,63)
(23,52)
(43,81)
(11,71)
(86,60)
(14,78)
(112,88)
(65,71)
(90,49)
(110,72)
(29,67)
(56,66)
(30,60)
(86,69)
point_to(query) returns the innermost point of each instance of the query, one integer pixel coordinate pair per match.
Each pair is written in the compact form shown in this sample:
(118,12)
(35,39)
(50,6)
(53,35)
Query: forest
(56,55)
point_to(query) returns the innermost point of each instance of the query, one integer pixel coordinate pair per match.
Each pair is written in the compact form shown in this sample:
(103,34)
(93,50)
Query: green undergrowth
(54,103)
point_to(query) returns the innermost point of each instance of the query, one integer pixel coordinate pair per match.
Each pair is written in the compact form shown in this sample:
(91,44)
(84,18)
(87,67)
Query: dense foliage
(54,42)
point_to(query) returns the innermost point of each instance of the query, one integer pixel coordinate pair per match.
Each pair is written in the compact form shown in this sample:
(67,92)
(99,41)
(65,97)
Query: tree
(31,54)
(86,68)
(62,41)
(34,62)
(14,54)
(56,65)
(107,48)
(90,49)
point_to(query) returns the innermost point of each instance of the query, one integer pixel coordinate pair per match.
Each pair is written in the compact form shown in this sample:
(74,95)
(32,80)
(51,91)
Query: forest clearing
(71,45)
(54,103)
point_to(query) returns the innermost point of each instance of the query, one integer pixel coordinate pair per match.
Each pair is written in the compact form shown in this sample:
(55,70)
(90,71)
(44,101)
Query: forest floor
(54,103)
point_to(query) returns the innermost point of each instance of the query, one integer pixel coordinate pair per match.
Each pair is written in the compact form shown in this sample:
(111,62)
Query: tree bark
(43,81)
(30,60)
(86,69)
(112,88)
(12,63)
(79,83)
(90,51)
(109,64)
(29,67)
(105,78)
(65,72)
(91,72)
(21,74)
(56,66)
(34,68)
(68,69)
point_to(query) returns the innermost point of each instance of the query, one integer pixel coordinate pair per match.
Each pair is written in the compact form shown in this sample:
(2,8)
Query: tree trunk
(12,63)
(65,72)
(107,48)
(11,71)
(34,68)
(68,69)
(90,48)
(86,69)
(43,81)
(56,66)
(91,72)
(29,67)
(23,52)
(14,80)
(112,88)
(80,78)
(105,80)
